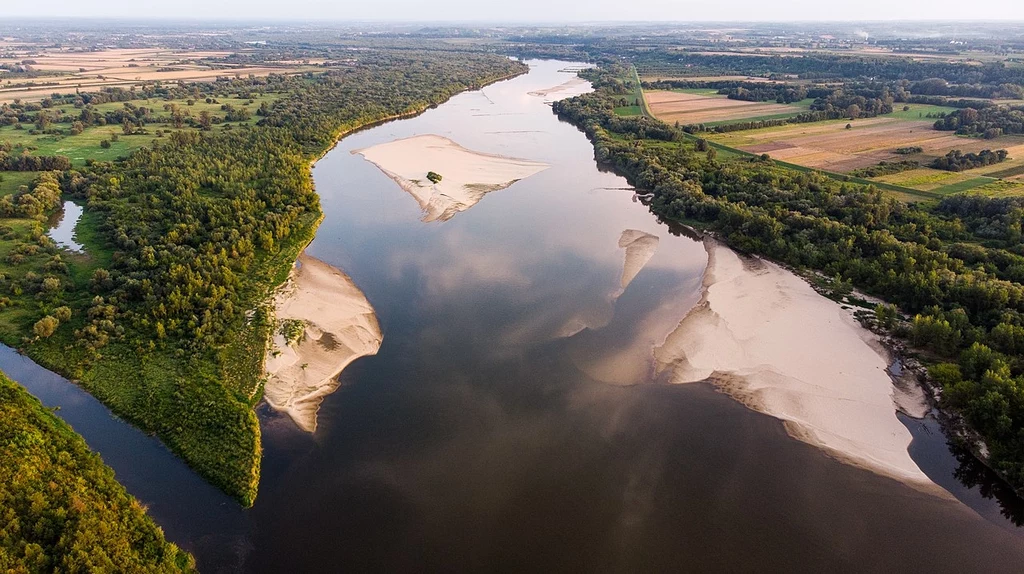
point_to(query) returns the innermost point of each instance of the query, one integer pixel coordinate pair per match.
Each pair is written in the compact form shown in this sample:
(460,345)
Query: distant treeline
(989,122)
(26,162)
(959,161)
(885,168)
(986,80)
(740,125)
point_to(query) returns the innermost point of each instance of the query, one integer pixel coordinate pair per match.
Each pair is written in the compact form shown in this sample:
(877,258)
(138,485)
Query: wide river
(492,431)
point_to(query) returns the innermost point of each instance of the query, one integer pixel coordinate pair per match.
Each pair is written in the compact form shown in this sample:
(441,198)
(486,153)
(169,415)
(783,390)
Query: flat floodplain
(831,146)
(59,71)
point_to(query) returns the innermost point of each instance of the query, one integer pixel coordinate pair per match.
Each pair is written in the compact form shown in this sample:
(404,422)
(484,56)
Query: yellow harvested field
(686,108)
(830,146)
(93,70)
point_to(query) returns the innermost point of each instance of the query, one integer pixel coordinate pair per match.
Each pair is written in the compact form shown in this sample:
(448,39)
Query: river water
(498,428)
(62,229)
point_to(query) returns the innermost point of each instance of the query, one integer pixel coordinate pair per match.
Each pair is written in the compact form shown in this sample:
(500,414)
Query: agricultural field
(709,107)
(49,71)
(831,146)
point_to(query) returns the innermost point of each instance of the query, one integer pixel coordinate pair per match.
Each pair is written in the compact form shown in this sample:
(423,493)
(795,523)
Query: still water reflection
(62,230)
(500,427)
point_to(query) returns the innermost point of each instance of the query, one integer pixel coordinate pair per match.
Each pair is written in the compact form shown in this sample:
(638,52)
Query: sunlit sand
(467,176)
(572,87)
(766,338)
(640,247)
(339,327)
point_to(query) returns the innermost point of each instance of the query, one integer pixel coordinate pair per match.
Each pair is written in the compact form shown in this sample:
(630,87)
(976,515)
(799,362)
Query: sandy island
(467,176)
(339,326)
(573,87)
(765,337)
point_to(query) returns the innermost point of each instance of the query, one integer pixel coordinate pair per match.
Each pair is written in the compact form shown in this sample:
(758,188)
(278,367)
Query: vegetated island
(468,175)
(962,318)
(165,315)
(60,507)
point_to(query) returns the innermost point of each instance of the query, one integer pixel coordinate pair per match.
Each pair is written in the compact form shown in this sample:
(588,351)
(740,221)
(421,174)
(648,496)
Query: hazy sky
(522,10)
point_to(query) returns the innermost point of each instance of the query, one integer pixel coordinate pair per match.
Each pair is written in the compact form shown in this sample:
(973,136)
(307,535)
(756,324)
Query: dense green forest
(955,269)
(60,508)
(162,319)
(990,122)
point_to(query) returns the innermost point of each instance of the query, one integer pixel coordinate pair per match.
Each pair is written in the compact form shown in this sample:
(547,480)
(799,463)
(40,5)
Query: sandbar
(339,326)
(762,335)
(640,247)
(573,86)
(467,175)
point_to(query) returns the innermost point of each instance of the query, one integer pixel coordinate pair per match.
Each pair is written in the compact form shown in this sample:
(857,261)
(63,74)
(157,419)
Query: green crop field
(918,112)
(999,188)
(962,186)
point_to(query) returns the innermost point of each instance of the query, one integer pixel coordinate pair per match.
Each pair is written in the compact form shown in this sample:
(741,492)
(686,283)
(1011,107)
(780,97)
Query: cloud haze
(519,11)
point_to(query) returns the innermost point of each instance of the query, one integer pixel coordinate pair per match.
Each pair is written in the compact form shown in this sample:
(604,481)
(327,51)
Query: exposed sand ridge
(640,247)
(765,337)
(338,326)
(572,87)
(467,176)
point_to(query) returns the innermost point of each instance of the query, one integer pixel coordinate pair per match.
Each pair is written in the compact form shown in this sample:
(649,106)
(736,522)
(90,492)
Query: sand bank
(467,176)
(765,337)
(572,87)
(640,247)
(339,327)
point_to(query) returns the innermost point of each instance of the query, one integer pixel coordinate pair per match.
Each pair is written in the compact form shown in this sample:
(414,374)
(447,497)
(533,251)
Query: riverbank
(61,504)
(323,323)
(300,373)
(193,375)
(349,130)
(762,335)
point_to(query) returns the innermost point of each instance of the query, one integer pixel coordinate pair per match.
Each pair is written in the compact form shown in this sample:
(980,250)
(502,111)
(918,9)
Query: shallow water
(62,230)
(497,428)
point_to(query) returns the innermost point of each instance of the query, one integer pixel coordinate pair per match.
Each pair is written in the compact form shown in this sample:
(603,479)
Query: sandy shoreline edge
(332,324)
(289,392)
(762,335)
